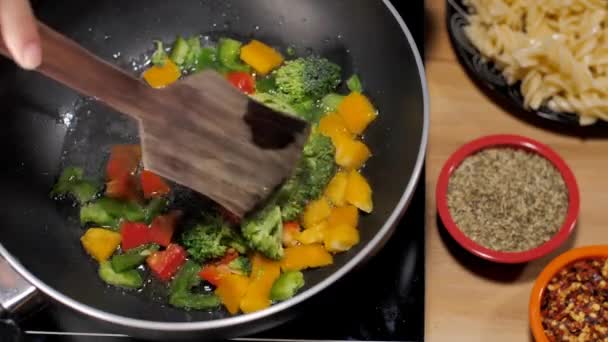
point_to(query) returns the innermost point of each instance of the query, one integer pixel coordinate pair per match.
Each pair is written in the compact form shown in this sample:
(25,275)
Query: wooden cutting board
(468,299)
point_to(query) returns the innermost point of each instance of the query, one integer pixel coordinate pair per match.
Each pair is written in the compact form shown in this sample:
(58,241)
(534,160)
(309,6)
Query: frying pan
(47,127)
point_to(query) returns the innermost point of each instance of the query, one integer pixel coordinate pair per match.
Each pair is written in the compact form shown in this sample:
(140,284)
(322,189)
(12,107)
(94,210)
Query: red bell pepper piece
(122,188)
(210,274)
(165,264)
(162,228)
(242,80)
(134,234)
(153,185)
(124,160)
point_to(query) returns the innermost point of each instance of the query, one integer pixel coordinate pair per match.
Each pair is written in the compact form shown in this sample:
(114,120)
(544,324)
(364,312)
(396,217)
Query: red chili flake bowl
(507,141)
(540,285)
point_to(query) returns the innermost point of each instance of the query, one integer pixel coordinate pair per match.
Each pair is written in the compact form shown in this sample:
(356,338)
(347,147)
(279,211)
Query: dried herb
(507,199)
(574,306)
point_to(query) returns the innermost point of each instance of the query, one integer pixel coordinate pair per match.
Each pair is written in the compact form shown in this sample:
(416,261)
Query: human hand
(20,32)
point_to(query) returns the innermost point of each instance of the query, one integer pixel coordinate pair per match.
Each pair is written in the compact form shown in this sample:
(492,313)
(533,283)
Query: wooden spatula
(200,132)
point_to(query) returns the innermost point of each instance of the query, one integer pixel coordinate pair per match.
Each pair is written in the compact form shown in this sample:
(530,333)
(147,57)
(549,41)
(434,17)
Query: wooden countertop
(468,299)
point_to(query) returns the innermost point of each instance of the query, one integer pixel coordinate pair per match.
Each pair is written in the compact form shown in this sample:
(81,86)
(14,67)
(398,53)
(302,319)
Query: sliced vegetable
(159,57)
(212,274)
(153,185)
(358,192)
(154,208)
(340,238)
(243,81)
(332,125)
(162,228)
(71,182)
(348,215)
(287,285)
(331,102)
(180,291)
(162,76)
(315,212)
(108,212)
(231,289)
(100,243)
(122,188)
(290,232)
(207,59)
(128,279)
(351,154)
(354,84)
(228,53)
(305,256)
(264,272)
(194,51)
(179,51)
(132,258)
(165,264)
(336,189)
(124,160)
(357,112)
(134,234)
(313,234)
(261,57)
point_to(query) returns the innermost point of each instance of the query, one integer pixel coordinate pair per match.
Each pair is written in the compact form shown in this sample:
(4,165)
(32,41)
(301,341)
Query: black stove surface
(381,301)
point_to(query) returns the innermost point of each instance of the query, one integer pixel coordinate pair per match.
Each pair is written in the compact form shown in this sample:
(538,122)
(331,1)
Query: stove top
(388,291)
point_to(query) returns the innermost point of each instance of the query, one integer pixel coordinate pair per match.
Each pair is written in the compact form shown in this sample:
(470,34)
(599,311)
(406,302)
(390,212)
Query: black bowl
(487,74)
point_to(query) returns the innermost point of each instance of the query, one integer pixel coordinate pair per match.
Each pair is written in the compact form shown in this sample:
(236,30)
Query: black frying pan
(47,127)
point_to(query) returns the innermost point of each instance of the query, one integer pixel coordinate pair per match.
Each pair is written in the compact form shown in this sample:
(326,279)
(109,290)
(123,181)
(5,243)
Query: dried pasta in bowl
(557,49)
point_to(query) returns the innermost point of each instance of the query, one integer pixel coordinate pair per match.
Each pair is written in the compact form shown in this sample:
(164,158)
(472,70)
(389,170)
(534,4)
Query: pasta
(557,49)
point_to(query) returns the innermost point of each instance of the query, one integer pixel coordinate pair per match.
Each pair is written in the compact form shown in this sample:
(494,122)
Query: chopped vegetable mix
(139,232)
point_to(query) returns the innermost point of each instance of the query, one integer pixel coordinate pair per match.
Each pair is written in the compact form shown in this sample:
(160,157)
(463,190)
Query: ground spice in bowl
(574,305)
(507,199)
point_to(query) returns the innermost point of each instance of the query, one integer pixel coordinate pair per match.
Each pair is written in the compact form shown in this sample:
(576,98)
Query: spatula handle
(69,63)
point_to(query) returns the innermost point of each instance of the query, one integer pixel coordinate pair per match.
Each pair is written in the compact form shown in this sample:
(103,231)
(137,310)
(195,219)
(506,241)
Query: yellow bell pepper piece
(348,215)
(336,189)
(315,212)
(231,289)
(160,77)
(340,238)
(332,125)
(100,243)
(305,256)
(357,112)
(261,57)
(359,192)
(351,154)
(313,234)
(263,274)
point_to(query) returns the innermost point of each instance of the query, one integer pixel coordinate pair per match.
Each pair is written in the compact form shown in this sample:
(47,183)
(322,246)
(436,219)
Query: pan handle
(18,298)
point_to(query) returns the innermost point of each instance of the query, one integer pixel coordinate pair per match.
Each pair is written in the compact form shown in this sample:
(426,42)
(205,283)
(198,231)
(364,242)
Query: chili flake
(574,306)
(507,199)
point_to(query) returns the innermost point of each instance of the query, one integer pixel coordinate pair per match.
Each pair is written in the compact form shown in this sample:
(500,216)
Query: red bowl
(512,141)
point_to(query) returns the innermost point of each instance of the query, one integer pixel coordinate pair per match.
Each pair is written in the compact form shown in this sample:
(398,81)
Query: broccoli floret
(240,265)
(308,78)
(287,285)
(314,171)
(264,230)
(211,238)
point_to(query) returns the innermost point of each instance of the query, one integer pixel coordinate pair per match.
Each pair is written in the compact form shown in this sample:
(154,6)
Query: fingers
(20,32)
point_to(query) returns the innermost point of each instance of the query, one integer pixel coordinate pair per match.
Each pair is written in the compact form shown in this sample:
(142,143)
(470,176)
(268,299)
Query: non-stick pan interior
(47,126)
